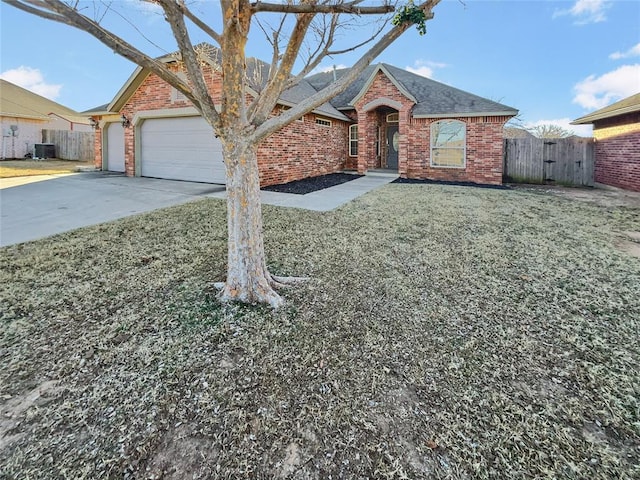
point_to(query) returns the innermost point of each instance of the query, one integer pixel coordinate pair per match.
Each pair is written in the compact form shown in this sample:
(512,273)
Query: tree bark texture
(247,277)
(248,280)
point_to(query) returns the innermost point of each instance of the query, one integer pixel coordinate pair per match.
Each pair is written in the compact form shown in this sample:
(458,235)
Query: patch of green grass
(195,305)
(446,332)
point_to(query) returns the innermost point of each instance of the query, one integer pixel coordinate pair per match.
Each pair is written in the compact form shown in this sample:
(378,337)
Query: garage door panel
(181,149)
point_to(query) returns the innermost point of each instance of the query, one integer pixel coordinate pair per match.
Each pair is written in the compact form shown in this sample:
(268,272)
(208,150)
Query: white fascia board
(462,115)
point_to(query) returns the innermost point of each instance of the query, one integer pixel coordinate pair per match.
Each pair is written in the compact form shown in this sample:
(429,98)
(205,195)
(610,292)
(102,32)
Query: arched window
(448,144)
(353,140)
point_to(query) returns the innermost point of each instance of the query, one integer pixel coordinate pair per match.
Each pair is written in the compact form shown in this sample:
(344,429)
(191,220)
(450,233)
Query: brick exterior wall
(299,150)
(484,140)
(371,123)
(618,151)
(97,148)
(484,151)
(305,149)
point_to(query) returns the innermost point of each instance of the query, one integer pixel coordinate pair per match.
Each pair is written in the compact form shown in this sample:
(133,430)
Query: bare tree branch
(276,123)
(264,104)
(60,12)
(129,22)
(199,23)
(351,7)
(193,65)
(315,61)
(326,40)
(274,41)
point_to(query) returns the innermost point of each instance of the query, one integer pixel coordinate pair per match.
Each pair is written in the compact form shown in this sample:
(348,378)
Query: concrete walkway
(44,205)
(324,200)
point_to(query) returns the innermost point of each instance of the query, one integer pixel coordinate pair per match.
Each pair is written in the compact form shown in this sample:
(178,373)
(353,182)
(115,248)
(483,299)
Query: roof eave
(98,113)
(316,111)
(594,117)
(507,113)
(20,115)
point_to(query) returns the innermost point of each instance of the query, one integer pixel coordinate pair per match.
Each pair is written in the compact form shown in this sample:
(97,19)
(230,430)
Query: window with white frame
(448,144)
(353,140)
(323,121)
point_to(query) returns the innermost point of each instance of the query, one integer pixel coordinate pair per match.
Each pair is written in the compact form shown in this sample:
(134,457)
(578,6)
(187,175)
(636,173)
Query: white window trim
(323,122)
(464,149)
(390,119)
(352,140)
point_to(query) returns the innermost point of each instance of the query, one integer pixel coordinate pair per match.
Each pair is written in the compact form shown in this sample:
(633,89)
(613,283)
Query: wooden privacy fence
(566,161)
(71,145)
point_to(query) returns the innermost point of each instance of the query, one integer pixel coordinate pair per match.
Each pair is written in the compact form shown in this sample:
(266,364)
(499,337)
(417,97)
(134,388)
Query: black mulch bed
(443,182)
(308,185)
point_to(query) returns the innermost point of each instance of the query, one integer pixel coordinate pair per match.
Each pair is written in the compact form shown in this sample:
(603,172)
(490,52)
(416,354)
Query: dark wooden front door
(393,143)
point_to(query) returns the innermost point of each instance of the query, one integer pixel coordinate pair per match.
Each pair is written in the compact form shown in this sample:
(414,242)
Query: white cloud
(597,92)
(423,71)
(329,68)
(632,52)
(33,80)
(565,123)
(586,11)
(425,68)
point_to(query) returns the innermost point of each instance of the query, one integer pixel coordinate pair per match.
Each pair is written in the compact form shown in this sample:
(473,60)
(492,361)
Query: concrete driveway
(36,207)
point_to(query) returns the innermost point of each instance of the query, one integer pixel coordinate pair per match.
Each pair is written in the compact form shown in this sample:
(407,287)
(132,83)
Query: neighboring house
(388,119)
(516,132)
(23,116)
(616,130)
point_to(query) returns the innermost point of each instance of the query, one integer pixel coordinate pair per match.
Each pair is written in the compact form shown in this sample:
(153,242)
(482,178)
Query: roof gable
(626,105)
(257,77)
(367,84)
(432,99)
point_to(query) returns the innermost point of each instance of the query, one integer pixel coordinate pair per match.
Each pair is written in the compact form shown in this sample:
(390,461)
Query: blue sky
(553,60)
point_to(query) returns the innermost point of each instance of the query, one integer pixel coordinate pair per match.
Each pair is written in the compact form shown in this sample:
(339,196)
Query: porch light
(93,122)
(124,121)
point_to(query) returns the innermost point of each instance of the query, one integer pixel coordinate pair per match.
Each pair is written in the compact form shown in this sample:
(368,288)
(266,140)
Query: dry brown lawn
(27,167)
(446,332)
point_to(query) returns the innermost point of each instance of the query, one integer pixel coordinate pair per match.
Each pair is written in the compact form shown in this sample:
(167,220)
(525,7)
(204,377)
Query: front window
(353,141)
(448,144)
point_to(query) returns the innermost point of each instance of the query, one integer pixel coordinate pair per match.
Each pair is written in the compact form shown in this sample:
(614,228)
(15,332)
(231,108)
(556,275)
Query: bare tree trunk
(248,280)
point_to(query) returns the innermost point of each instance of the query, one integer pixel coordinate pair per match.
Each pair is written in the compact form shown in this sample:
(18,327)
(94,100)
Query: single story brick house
(388,119)
(616,130)
(24,115)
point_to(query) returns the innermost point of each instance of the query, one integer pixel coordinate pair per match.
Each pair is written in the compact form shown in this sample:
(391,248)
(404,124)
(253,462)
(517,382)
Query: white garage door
(181,148)
(115,147)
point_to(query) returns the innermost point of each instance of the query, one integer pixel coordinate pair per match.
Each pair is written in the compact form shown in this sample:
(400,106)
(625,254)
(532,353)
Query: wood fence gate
(71,145)
(565,161)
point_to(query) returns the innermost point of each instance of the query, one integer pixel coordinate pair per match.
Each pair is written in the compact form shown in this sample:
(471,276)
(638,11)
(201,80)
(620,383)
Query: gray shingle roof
(258,74)
(433,99)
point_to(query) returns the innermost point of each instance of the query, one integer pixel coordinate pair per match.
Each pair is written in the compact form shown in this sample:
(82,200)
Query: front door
(393,144)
